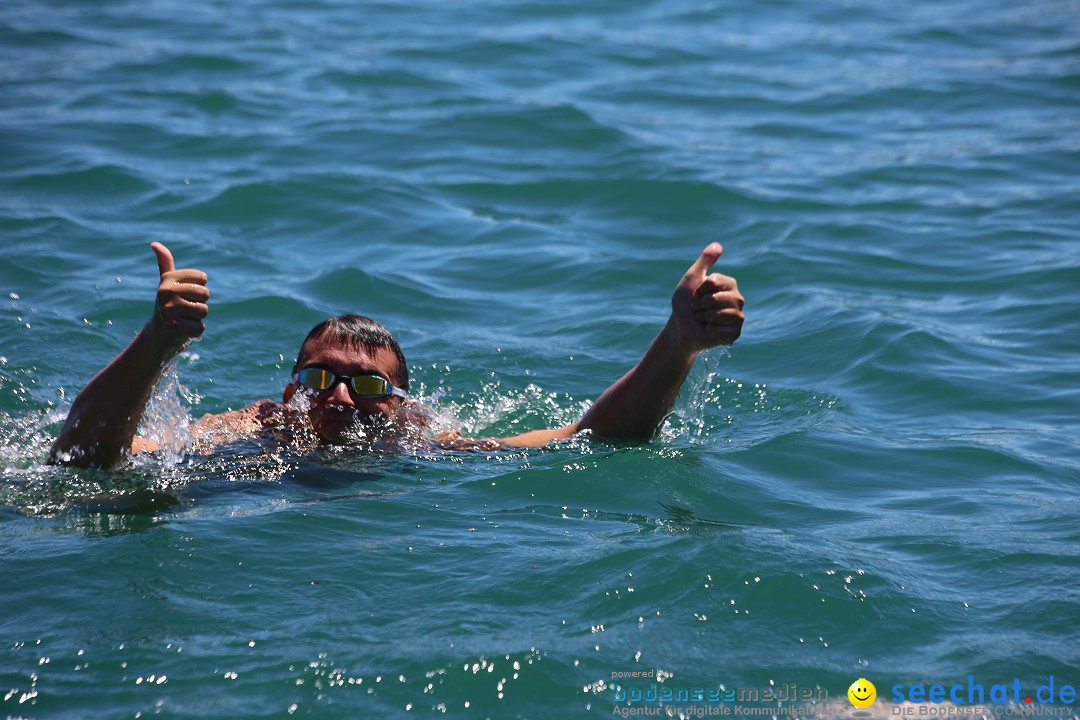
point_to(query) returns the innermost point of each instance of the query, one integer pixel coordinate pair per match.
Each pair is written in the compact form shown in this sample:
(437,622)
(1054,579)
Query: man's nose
(340,395)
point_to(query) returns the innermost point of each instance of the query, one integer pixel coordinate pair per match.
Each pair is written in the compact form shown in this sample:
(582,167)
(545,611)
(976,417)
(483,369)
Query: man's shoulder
(221,427)
(213,429)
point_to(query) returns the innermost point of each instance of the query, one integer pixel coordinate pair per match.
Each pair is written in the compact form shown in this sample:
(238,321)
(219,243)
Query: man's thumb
(708,258)
(164,258)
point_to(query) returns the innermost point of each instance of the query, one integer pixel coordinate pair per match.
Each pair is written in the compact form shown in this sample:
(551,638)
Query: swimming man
(350,372)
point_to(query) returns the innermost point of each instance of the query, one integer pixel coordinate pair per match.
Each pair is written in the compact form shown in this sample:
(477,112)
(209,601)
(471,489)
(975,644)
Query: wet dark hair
(361,332)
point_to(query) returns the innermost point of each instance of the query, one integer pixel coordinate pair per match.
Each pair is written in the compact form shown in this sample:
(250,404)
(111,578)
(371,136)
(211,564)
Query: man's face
(335,411)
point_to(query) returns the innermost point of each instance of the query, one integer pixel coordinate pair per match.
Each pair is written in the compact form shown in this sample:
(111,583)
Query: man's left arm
(706,311)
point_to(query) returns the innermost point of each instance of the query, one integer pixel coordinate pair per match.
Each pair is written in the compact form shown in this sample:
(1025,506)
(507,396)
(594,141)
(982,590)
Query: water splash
(30,484)
(25,440)
(167,420)
(495,410)
(700,394)
(26,432)
(704,414)
(715,410)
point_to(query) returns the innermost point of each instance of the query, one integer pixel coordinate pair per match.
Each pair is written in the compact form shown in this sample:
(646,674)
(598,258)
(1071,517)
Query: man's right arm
(706,311)
(104,416)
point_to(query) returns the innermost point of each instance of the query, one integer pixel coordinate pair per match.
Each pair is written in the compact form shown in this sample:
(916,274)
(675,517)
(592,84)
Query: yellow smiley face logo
(862,693)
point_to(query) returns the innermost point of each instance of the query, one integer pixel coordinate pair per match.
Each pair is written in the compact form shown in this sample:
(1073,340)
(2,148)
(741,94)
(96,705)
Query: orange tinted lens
(315,378)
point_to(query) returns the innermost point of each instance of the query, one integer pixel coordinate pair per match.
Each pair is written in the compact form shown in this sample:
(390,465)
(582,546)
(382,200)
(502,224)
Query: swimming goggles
(365,386)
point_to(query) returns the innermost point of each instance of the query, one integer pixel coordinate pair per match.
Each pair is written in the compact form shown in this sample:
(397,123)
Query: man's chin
(349,430)
(336,434)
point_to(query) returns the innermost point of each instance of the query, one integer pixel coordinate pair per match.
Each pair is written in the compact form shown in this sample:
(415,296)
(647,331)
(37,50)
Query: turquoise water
(879,479)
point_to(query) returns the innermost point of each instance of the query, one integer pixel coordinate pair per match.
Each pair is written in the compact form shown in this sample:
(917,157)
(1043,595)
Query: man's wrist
(159,341)
(674,342)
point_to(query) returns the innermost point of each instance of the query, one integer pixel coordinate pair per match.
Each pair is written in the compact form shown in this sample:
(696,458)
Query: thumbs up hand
(706,310)
(181,300)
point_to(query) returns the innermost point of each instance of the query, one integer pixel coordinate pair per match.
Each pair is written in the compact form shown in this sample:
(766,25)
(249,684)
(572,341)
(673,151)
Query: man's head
(347,346)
